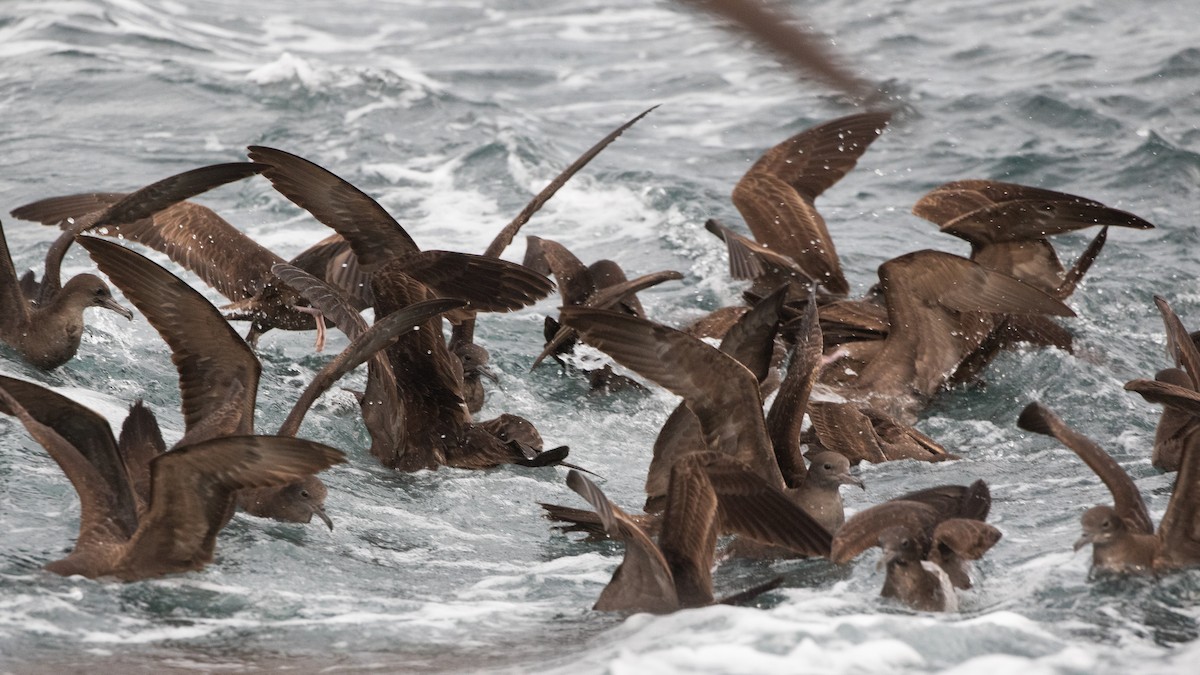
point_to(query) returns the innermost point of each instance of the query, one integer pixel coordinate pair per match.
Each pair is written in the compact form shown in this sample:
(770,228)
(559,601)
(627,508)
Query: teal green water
(453,114)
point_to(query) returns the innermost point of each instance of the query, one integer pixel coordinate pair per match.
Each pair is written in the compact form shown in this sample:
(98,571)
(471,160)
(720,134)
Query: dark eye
(100,292)
(304,494)
(829,467)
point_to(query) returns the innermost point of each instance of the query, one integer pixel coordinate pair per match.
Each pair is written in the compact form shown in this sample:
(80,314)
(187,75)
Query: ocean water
(453,113)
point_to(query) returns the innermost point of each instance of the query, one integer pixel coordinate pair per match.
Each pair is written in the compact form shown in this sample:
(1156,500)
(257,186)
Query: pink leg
(319,319)
(828,359)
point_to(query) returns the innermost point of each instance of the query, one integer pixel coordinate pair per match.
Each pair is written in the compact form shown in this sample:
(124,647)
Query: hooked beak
(848,479)
(488,373)
(110,304)
(320,513)
(1084,541)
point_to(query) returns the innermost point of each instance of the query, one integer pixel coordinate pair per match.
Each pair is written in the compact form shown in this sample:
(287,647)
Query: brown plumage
(928,538)
(579,287)
(380,402)
(866,435)
(1178,430)
(716,323)
(203,242)
(792,244)
(720,391)
(383,248)
(414,405)
(776,196)
(1175,437)
(218,373)
(751,341)
(1122,536)
(378,241)
(462,335)
(708,493)
(1007,226)
(140,442)
(777,31)
(190,493)
(723,394)
(474,360)
(438,428)
(108,212)
(47,334)
(239,268)
(750,260)
(383,411)
(367,344)
(928,294)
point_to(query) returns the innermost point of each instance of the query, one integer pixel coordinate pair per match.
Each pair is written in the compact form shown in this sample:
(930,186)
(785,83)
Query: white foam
(288,67)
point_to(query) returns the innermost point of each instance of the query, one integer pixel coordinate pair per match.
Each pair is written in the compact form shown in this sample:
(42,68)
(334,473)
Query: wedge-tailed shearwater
(1122,535)
(48,334)
(189,493)
(928,538)
(677,571)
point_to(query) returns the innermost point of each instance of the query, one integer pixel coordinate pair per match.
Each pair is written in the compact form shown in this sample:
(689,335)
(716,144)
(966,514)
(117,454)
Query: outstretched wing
(377,337)
(157,216)
(375,236)
(861,531)
(14,306)
(720,391)
(108,512)
(1126,497)
(776,195)
(754,508)
(643,581)
(218,374)
(192,489)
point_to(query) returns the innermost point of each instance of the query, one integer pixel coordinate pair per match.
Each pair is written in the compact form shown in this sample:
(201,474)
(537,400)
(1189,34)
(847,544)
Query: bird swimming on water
(928,538)
(144,514)
(1122,536)
(47,334)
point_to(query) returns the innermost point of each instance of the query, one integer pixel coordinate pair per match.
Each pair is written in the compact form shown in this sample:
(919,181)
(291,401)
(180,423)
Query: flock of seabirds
(726,479)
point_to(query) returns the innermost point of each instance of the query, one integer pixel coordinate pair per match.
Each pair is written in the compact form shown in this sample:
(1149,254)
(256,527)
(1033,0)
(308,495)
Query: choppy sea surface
(453,114)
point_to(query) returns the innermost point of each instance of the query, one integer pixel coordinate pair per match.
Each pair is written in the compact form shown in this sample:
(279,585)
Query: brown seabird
(378,241)
(1122,535)
(48,334)
(580,287)
(723,394)
(413,405)
(928,538)
(183,499)
(462,334)
(1007,226)
(930,298)
(709,493)
(219,374)
(1178,430)
(225,258)
(775,197)
(868,435)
